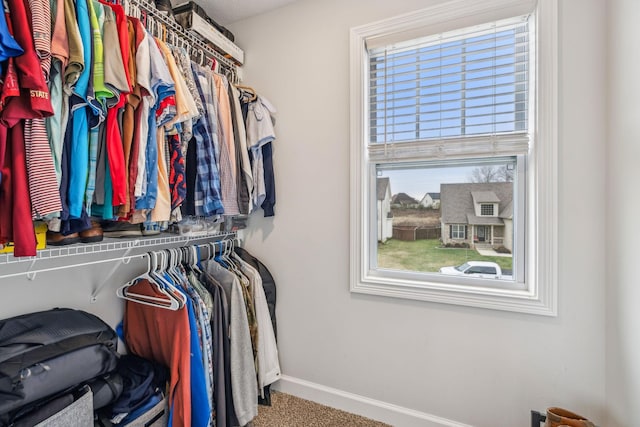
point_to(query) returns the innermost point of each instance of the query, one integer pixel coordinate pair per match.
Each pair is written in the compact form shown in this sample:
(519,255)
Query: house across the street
(477,214)
(403,200)
(431,200)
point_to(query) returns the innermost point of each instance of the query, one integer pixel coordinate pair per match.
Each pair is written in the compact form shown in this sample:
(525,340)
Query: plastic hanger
(168,303)
(171,266)
(175,266)
(166,281)
(225,255)
(194,262)
(218,255)
(160,283)
(250,90)
(175,276)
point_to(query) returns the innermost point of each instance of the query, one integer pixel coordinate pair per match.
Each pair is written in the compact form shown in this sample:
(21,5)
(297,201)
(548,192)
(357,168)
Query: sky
(417,182)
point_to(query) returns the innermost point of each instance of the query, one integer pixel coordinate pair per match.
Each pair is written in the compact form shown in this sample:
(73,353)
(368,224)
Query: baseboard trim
(395,415)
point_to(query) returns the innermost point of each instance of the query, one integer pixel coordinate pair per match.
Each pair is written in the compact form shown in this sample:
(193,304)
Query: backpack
(44,353)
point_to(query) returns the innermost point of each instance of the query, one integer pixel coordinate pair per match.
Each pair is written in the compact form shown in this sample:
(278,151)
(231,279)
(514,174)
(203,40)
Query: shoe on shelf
(93,234)
(121,229)
(58,239)
(150,228)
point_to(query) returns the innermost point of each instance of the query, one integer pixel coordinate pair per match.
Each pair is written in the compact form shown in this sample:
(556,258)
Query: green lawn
(426,255)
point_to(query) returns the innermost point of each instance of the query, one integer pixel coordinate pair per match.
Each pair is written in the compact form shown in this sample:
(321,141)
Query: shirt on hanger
(227,155)
(76,63)
(162,337)
(244,196)
(243,374)
(9,47)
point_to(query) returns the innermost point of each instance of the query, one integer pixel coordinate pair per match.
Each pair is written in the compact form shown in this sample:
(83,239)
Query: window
(466,111)
(458,231)
(486,210)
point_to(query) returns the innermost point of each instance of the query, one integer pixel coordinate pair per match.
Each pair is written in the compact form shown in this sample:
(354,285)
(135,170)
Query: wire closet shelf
(115,244)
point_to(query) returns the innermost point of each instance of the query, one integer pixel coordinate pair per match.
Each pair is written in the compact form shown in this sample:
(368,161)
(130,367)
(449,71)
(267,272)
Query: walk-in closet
(133,155)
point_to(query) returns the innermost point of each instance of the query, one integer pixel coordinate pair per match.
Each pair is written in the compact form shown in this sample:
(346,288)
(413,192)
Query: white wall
(473,366)
(623,291)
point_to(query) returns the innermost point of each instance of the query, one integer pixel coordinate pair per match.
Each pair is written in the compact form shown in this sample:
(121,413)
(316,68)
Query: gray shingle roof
(434,196)
(456,200)
(403,198)
(382,184)
(484,197)
(483,220)
(507,211)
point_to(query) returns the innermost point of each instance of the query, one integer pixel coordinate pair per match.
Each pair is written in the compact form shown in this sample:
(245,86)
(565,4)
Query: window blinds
(460,93)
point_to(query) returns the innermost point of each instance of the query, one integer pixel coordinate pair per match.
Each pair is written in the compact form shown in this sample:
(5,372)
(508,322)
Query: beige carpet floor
(290,411)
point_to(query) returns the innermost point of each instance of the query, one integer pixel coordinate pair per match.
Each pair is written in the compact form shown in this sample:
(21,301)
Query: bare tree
(505,173)
(491,174)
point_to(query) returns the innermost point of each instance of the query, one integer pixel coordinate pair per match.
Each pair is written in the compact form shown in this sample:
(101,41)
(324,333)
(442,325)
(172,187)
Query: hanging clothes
(260,134)
(9,47)
(223,401)
(208,307)
(207,194)
(269,288)
(25,96)
(116,78)
(80,108)
(244,177)
(15,216)
(227,152)
(243,374)
(137,133)
(267,362)
(59,60)
(162,335)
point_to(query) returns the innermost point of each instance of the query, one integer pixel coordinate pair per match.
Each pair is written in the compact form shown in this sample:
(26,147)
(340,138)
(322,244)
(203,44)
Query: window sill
(513,300)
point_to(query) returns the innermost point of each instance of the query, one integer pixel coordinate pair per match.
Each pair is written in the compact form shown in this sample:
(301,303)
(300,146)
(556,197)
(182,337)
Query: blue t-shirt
(9,47)
(200,405)
(80,143)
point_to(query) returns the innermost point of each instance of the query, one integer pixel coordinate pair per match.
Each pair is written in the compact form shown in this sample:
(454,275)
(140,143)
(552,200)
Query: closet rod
(188,35)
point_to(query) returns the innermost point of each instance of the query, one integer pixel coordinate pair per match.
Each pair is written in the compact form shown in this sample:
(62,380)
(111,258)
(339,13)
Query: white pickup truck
(483,269)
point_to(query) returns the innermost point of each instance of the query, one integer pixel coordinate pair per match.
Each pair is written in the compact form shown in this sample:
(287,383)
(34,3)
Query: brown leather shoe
(558,417)
(59,239)
(93,234)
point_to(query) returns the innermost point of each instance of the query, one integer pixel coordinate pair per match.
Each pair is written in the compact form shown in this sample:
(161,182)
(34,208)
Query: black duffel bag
(44,353)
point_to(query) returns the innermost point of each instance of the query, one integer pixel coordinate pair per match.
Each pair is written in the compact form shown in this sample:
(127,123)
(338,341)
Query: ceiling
(225,12)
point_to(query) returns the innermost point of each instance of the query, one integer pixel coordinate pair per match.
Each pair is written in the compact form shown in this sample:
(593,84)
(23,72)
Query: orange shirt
(163,336)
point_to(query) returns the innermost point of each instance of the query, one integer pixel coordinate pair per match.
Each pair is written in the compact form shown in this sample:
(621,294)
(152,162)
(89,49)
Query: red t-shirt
(115,150)
(34,101)
(15,216)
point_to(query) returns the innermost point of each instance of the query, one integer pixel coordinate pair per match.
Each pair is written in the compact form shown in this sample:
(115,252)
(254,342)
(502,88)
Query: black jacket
(269,286)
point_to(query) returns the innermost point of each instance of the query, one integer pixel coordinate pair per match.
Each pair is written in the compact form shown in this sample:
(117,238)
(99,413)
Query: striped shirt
(41,26)
(43,183)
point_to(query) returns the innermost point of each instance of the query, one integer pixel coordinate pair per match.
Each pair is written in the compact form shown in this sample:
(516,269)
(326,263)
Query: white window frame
(539,293)
(488,207)
(456,229)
